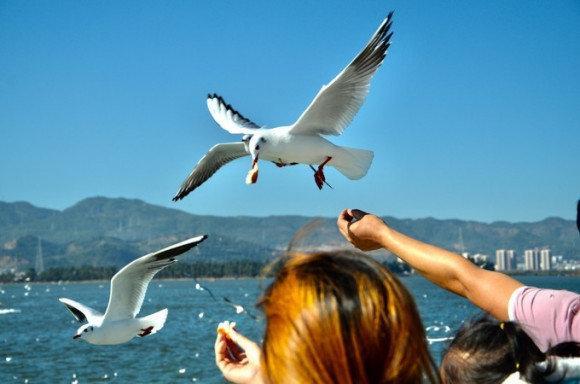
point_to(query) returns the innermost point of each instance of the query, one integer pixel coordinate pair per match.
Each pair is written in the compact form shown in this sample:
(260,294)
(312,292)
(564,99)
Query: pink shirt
(548,316)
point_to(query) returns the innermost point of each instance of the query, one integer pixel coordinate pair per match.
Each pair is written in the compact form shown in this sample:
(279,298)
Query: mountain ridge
(102,231)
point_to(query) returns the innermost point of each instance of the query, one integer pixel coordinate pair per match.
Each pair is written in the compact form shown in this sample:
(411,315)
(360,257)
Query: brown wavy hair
(341,317)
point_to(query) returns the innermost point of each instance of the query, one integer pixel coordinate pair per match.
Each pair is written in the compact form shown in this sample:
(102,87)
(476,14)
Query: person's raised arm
(488,290)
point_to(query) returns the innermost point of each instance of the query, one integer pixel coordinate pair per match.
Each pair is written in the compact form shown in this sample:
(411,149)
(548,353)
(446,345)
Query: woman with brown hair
(333,317)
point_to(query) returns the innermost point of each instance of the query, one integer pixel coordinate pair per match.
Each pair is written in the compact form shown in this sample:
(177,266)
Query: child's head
(487,351)
(341,317)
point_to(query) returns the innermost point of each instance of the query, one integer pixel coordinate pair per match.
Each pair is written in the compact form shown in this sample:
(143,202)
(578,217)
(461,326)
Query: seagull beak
(252,176)
(76,336)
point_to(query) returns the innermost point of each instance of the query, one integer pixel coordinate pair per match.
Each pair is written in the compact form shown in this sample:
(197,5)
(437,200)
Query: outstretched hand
(237,357)
(361,229)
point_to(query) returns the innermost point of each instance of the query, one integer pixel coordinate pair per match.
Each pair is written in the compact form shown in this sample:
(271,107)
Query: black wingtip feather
(76,313)
(180,195)
(234,111)
(170,253)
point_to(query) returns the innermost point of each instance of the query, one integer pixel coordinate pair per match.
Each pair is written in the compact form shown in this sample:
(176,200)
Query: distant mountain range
(102,231)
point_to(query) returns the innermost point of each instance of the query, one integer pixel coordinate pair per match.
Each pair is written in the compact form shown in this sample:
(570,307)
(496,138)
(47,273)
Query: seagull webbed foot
(280,163)
(319,177)
(146,331)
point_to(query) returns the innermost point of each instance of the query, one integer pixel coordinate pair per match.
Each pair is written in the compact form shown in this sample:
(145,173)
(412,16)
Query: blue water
(36,344)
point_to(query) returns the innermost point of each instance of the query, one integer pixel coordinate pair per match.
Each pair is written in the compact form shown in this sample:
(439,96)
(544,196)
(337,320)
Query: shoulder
(525,299)
(549,316)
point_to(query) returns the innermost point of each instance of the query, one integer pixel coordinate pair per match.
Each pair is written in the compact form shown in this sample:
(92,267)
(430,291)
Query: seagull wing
(81,312)
(129,285)
(228,118)
(337,103)
(218,156)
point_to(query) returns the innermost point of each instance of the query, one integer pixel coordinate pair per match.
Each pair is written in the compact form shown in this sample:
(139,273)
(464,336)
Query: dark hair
(487,351)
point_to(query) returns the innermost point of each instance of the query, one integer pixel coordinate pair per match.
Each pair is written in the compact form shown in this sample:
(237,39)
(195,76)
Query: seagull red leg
(319,177)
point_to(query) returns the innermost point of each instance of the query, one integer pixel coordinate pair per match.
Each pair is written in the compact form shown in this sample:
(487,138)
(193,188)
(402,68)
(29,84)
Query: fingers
(342,223)
(346,220)
(360,228)
(345,215)
(252,350)
(246,344)
(220,350)
(349,215)
(357,214)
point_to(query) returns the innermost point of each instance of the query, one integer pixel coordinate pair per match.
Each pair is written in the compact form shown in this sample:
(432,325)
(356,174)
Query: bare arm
(488,290)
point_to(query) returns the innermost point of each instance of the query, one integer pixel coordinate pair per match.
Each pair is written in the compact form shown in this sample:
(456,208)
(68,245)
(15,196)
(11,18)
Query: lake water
(36,344)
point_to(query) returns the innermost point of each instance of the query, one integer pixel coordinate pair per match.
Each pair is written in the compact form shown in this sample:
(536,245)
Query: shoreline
(107,281)
(225,278)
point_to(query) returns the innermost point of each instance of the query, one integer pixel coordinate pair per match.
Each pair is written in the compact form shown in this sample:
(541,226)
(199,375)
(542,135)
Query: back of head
(342,318)
(487,351)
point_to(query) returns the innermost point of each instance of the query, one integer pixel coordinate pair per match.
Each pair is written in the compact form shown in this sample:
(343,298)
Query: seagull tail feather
(155,320)
(353,163)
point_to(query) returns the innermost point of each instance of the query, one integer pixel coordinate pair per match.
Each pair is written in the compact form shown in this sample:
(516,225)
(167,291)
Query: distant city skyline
(473,115)
(532,260)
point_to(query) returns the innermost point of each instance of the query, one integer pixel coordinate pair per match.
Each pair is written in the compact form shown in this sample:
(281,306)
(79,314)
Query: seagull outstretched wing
(228,118)
(218,156)
(337,103)
(129,285)
(81,312)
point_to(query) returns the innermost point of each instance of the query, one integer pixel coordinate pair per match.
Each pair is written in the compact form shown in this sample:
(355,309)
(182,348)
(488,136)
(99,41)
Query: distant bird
(329,113)
(119,324)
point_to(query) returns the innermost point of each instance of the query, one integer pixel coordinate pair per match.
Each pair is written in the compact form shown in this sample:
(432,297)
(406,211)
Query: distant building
(505,259)
(532,259)
(500,260)
(511,257)
(545,260)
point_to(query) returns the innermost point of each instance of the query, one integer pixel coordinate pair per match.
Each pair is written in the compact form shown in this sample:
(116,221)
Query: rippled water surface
(36,344)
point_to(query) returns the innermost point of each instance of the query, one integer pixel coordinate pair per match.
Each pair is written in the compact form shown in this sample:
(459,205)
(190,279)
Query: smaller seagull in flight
(331,111)
(119,324)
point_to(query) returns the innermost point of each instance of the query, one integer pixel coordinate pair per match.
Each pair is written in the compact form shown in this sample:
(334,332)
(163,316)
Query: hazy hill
(105,231)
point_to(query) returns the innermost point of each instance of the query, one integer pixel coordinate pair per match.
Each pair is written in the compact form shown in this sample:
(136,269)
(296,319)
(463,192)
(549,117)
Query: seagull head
(84,331)
(256,143)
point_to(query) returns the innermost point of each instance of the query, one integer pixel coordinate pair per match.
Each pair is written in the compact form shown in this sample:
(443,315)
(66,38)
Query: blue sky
(475,113)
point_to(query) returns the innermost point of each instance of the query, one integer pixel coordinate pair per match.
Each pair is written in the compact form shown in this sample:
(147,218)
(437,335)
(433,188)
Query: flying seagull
(329,113)
(119,324)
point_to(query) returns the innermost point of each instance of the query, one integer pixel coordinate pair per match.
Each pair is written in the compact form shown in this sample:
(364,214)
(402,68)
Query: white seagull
(119,324)
(329,113)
